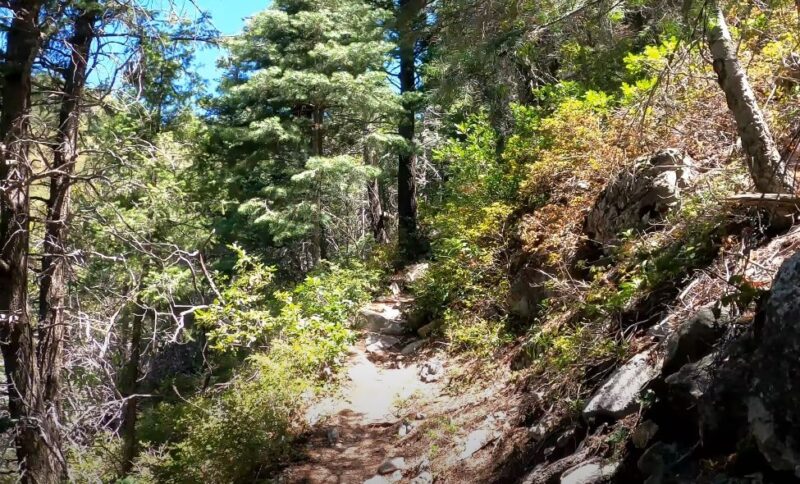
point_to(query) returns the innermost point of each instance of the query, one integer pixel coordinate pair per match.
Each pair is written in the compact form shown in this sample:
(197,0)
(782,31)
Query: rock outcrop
(639,196)
(774,405)
(618,397)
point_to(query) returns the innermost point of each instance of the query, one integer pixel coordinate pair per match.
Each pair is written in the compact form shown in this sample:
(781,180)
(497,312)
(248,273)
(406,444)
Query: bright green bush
(244,431)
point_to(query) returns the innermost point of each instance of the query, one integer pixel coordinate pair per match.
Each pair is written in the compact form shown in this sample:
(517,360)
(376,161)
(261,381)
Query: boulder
(477,440)
(618,397)
(656,460)
(692,340)
(428,329)
(773,408)
(412,347)
(639,196)
(380,343)
(692,382)
(528,289)
(594,471)
(384,319)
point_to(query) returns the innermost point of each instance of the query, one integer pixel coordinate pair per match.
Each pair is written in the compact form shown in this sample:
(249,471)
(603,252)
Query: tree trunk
(53,289)
(377,217)
(317,148)
(408,238)
(766,167)
(38,446)
(128,388)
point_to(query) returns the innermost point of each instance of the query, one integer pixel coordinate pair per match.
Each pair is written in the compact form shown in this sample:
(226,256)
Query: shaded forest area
(580,216)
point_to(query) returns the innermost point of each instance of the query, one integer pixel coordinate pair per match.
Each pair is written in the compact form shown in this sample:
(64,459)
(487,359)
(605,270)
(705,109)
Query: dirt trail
(407,412)
(357,430)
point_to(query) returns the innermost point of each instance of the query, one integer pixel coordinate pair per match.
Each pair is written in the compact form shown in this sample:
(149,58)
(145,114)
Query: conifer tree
(305,86)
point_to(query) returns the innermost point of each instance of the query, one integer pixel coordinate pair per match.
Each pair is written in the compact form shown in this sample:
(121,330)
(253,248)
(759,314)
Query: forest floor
(406,412)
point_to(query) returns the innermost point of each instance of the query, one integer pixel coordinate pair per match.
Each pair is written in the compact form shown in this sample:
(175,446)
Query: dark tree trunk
(317,132)
(377,217)
(407,25)
(317,149)
(128,387)
(37,442)
(53,289)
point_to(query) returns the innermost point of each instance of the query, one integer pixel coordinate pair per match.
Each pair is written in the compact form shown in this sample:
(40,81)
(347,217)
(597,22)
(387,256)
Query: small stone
(392,465)
(405,429)
(420,416)
(424,477)
(431,371)
(396,476)
(333,436)
(413,347)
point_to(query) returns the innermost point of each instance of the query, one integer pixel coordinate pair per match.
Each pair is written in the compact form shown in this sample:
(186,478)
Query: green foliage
(248,428)
(469,221)
(306,93)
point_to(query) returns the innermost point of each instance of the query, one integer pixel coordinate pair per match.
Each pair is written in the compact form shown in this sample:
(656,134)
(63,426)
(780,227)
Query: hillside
(451,241)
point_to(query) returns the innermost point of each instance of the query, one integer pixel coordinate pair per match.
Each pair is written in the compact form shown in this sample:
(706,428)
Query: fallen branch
(765,199)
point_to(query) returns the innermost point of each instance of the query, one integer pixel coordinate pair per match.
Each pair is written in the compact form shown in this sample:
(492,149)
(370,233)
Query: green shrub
(246,430)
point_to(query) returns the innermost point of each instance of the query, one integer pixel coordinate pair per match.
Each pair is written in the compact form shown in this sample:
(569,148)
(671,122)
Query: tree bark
(767,169)
(377,217)
(36,431)
(128,388)
(317,150)
(53,289)
(408,239)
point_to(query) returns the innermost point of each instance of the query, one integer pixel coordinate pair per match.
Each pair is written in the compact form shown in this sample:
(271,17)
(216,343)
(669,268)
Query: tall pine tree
(306,87)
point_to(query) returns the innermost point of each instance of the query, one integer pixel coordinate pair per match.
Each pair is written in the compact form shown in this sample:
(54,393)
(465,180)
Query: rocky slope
(706,392)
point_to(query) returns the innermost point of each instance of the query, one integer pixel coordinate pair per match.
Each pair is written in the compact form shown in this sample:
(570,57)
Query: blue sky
(228,17)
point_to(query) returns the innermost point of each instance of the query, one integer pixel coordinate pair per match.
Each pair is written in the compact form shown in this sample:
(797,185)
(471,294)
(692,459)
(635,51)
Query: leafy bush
(246,429)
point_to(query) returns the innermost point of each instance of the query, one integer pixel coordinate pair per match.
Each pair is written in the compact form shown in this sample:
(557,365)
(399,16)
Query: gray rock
(774,406)
(643,433)
(656,460)
(377,480)
(405,429)
(424,477)
(692,381)
(392,465)
(591,472)
(639,196)
(431,371)
(388,320)
(379,343)
(528,289)
(415,272)
(475,441)
(618,396)
(333,436)
(412,347)
(428,329)
(692,340)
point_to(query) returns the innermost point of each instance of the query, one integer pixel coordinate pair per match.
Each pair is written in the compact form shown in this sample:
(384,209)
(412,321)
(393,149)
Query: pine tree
(305,87)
